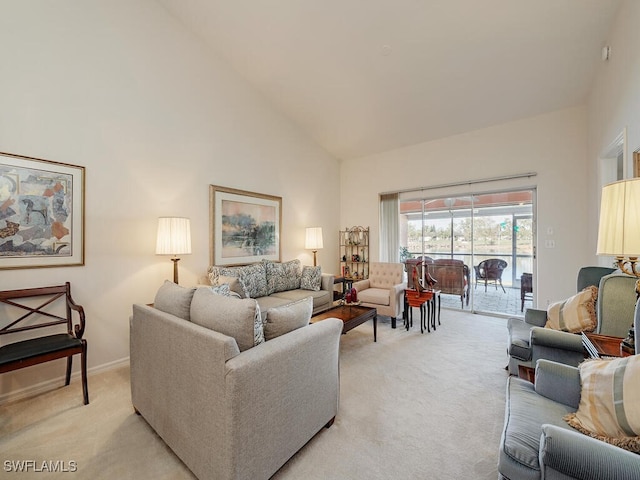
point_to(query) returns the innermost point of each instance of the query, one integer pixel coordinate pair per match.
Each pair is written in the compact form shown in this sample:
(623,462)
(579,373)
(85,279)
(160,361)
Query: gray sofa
(274,284)
(229,412)
(537,443)
(529,341)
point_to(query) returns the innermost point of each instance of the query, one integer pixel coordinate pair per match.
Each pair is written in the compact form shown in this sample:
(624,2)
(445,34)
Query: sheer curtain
(389,228)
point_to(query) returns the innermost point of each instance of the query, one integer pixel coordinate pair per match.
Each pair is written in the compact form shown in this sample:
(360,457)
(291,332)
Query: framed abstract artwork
(41,213)
(244,226)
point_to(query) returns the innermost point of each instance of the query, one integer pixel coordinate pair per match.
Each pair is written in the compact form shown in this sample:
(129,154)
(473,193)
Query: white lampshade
(619,230)
(313,238)
(174,236)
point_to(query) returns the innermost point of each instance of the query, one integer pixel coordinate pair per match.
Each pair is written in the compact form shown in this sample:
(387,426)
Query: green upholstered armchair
(530,341)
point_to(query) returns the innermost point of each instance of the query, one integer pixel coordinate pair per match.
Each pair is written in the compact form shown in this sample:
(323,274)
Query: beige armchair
(384,289)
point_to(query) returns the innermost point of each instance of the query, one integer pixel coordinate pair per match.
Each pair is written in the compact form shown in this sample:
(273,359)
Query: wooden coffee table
(352,316)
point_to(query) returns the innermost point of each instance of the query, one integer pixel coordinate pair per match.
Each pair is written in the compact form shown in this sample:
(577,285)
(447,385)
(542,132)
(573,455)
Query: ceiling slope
(367,76)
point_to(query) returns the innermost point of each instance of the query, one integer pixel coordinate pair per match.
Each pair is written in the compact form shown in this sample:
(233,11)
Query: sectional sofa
(274,284)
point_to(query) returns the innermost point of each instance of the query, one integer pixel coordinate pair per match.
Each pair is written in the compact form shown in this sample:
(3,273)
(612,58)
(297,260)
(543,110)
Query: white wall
(553,145)
(614,104)
(120,87)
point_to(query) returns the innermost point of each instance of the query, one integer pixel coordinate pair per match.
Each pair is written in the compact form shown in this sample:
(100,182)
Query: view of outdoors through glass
(472,229)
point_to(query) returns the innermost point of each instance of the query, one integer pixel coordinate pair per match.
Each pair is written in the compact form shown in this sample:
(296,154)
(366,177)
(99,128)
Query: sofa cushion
(286,318)
(320,297)
(609,406)
(282,276)
(174,299)
(525,413)
(575,314)
(376,296)
(311,278)
(234,317)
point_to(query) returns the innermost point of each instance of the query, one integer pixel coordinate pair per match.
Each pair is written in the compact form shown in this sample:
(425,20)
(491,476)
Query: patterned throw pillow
(253,279)
(230,275)
(286,318)
(311,278)
(576,314)
(609,406)
(224,289)
(282,276)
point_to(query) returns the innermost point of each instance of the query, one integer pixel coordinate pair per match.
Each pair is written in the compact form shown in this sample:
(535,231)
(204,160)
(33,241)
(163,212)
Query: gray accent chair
(537,443)
(529,341)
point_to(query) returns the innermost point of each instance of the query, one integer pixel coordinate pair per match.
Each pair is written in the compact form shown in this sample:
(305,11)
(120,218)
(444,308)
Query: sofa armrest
(556,339)
(280,394)
(575,455)
(327,282)
(536,318)
(558,382)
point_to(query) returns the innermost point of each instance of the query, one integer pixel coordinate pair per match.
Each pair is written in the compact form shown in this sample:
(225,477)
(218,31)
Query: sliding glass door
(491,233)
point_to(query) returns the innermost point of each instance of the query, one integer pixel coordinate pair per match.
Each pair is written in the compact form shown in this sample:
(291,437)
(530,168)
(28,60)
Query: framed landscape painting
(41,213)
(244,226)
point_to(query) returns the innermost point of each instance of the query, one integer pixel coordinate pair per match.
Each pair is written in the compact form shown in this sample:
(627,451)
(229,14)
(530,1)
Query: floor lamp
(619,233)
(174,238)
(313,241)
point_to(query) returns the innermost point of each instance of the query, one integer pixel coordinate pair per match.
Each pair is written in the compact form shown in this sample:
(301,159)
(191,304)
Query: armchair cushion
(284,319)
(378,296)
(234,317)
(311,278)
(575,314)
(609,406)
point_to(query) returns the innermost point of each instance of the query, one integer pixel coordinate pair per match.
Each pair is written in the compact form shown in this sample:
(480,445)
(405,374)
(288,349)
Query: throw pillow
(221,275)
(237,318)
(174,299)
(225,290)
(311,278)
(609,406)
(253,279)
(575,314)
(282,276)
(286,318)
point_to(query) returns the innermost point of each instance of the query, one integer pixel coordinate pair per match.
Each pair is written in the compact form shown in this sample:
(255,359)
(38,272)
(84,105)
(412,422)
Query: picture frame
(244,226)
(41,213)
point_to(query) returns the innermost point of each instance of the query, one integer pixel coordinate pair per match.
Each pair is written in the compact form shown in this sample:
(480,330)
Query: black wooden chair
(526,289)
(490,270)
(44,348)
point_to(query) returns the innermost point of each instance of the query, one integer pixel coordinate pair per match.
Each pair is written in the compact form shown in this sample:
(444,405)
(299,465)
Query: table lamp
(619,231)
(174,238)
(313,241)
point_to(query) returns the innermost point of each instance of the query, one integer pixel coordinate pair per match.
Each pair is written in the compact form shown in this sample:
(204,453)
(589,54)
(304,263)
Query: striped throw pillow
(576,314)
(609,406)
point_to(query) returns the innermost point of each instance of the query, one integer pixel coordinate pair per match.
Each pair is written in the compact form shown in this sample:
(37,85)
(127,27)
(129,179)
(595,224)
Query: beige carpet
(412,406)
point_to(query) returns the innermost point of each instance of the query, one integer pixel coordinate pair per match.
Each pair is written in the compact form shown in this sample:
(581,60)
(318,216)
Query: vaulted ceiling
(367,76)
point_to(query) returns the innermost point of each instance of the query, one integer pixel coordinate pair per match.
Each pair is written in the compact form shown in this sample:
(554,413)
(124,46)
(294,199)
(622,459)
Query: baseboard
(47,385)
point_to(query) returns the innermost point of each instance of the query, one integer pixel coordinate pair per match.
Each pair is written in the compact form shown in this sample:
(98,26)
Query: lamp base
(175,270)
